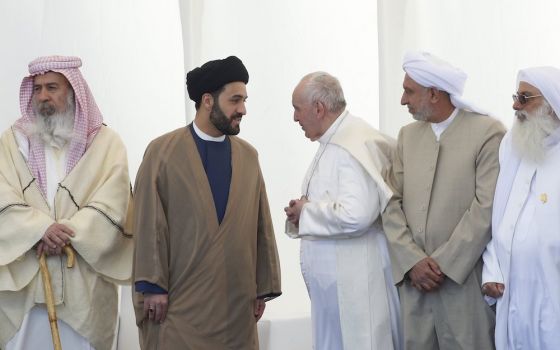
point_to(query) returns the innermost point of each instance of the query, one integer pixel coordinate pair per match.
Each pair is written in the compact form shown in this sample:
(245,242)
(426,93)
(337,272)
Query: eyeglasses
(522,99)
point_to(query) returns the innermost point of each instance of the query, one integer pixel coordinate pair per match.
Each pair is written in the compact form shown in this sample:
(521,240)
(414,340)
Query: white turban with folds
(547,80)
(430,71)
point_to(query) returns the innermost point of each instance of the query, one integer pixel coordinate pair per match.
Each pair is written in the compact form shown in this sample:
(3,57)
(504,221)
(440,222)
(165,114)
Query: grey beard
(57,129)
(530,130)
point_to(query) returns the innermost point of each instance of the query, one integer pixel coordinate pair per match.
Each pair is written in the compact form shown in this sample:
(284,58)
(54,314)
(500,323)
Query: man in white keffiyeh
(63,180)
(522,261)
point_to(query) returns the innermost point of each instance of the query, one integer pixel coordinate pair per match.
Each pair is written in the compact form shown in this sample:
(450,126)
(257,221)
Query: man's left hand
(258,310)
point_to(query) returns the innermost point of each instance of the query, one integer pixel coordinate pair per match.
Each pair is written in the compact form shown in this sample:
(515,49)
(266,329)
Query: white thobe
(344,255)
(524,253)
(34,332)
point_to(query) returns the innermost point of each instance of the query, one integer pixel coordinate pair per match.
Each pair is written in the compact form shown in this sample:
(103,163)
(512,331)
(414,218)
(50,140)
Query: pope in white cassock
(522,261)
(344,256)
(63,180)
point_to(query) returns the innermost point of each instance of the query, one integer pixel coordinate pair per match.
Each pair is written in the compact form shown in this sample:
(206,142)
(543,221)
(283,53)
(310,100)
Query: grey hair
(323,87)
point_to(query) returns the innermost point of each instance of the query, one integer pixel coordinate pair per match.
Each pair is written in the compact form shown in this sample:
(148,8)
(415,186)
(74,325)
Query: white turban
(547,80)
(430,71)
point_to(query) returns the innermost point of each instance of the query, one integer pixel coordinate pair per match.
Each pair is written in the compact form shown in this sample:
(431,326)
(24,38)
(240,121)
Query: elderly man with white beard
(522,261)
(63,181)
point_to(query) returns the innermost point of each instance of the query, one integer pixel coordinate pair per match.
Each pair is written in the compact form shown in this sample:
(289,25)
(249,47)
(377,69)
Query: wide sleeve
(268,263)
(491,270)
(21,225)
(102,237)
(458,256)
(151,234)
(344,212)
(405,252)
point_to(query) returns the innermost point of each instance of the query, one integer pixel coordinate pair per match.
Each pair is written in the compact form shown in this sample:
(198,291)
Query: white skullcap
(431,71)
(547,80)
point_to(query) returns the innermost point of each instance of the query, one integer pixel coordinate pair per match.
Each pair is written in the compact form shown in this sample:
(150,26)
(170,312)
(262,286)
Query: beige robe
(441,207)
(213,272)
(92,200)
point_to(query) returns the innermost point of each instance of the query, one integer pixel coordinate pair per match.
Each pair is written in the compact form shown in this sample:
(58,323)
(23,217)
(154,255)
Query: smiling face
(228,108)
(50,93)
(306,113)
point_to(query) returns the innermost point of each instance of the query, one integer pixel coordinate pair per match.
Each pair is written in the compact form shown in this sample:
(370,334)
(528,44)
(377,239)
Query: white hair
(323,87)
(530,130)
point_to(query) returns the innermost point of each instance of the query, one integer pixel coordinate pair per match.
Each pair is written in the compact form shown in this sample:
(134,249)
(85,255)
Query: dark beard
(222,122)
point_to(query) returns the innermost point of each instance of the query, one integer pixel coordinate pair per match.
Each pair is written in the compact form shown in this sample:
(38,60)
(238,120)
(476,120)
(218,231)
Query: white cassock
(344,256)
(524,253)
(35,332)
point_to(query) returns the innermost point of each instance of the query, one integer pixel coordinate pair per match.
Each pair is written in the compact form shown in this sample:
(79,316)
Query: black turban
(212,75)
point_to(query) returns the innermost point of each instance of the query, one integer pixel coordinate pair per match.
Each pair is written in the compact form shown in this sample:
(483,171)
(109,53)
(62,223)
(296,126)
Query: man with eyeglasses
(438,220)
(522,261)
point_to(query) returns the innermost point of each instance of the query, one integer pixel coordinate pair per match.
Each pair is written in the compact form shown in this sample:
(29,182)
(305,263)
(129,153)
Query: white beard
(57,129)
(530,130)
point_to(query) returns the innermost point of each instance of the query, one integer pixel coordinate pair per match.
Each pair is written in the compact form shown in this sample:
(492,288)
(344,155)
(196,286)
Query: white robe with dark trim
(92,200)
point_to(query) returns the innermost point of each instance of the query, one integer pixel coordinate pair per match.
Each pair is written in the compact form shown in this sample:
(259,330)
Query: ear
(435,95)
(207,101)
(319,109)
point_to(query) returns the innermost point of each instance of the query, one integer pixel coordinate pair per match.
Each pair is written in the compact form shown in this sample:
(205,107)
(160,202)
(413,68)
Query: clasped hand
(54,239)
(493,289)
(293,210)
(426,276)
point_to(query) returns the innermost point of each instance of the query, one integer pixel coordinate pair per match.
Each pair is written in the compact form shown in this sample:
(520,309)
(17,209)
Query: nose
(404,101)
(242,109)
(517,106)
(296,119)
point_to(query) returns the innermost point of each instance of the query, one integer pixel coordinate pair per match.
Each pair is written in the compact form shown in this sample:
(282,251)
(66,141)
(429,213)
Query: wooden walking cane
(49,297)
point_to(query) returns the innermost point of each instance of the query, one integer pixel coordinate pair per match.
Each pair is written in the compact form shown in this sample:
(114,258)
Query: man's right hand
(155,307)
(493,289)
(57,236)
(426,276)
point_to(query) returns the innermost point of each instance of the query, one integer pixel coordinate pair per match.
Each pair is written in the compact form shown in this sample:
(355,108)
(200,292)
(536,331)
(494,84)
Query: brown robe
(213,272)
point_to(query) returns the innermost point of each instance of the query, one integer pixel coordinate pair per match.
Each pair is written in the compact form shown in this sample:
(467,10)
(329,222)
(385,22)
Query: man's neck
(203,124)
(442,114)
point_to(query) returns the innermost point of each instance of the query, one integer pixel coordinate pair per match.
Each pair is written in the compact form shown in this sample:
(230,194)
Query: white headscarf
(547,80)
(430,71)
